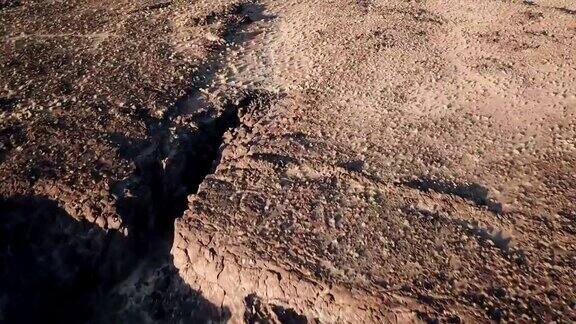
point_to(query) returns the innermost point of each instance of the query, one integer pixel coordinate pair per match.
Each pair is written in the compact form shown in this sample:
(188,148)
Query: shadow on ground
(56,269)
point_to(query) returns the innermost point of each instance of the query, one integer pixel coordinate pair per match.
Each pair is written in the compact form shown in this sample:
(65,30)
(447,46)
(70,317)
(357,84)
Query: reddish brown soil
(294,161)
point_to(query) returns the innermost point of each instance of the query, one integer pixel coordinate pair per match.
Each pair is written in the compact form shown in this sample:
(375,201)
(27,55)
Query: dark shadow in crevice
(169,169)
(63,270)
(52,263)
(288,315)
(258,312)
(167,172)
(56,269)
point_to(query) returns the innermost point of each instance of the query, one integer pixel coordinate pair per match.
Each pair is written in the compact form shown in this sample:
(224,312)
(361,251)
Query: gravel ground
(294,161)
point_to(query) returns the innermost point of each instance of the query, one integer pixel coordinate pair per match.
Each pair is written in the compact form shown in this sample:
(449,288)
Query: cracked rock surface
(421,157)
(292,161)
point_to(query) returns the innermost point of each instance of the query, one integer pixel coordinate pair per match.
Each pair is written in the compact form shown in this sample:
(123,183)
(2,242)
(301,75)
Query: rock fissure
(89,269)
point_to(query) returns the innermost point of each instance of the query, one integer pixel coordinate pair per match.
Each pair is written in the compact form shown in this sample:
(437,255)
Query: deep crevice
(181,149)
(257,311)
(78,265)
(198,158)
(178,167)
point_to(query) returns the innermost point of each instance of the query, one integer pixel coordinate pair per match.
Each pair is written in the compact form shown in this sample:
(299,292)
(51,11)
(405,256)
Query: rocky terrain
(292,161)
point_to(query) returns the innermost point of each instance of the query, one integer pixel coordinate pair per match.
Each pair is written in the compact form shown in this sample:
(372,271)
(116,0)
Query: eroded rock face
(411,159)
(88,90)
(98,151)
(251,288)
(293,162)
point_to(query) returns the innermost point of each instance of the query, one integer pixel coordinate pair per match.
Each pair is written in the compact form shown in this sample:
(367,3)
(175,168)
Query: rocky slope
(330,161)
(420,153)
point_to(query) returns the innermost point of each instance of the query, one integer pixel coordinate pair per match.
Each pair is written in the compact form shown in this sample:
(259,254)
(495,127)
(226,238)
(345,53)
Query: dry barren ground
(288,161)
